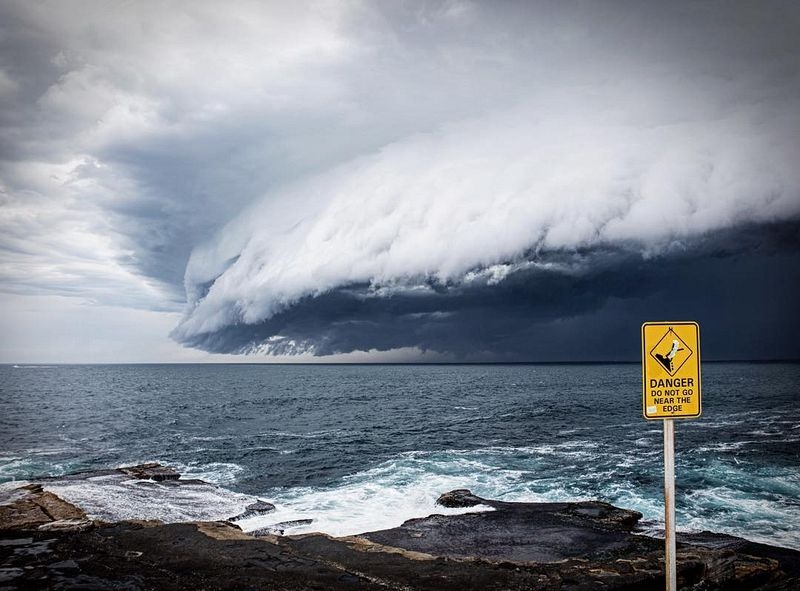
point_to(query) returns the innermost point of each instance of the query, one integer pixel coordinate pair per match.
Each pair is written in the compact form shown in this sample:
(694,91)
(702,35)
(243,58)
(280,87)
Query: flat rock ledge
(152,471)
(46,543)
(32,508)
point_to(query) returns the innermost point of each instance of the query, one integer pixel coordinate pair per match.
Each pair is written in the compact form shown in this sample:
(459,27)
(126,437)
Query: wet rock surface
(254,510)
(460,497)
(551,546)
(153,471)
(520,532)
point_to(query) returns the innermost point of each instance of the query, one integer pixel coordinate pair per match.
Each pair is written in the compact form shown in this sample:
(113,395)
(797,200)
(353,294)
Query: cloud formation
(741,284)
(647,155)
(329,177)
(145,126)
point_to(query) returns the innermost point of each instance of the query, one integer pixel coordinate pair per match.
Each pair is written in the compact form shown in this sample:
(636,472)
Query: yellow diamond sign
(671,370)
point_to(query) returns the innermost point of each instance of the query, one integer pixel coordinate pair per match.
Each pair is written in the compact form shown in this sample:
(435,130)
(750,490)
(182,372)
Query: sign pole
(669,505)
(670,390)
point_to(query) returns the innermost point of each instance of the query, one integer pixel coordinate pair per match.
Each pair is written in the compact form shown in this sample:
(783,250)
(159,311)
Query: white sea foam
(723,446)
(376,499)
(216,438)
(10,491)
(307,435)
(760,505)
(219,473)
(407,486)
(753,517)
(117,497)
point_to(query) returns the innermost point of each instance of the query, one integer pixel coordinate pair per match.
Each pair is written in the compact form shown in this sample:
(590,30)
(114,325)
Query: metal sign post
(669,504)
(671,390)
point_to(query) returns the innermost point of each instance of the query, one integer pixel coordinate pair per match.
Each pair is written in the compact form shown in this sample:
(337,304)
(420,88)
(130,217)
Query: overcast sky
(443,181)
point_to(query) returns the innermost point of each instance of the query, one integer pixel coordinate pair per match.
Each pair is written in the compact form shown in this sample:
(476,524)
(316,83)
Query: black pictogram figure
(666,360)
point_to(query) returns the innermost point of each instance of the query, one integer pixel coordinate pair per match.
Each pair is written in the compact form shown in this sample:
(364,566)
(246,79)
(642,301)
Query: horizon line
(312,363)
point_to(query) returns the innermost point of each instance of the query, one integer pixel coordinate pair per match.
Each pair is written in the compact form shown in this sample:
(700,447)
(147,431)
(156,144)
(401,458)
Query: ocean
(365,447)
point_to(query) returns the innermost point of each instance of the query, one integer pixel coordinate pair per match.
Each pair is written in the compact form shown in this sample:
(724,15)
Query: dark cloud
(742,285)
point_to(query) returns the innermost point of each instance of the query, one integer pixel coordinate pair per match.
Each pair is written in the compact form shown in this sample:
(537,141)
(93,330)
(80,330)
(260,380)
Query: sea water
(365,447)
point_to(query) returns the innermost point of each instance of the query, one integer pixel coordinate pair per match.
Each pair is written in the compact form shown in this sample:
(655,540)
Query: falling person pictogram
(666,360)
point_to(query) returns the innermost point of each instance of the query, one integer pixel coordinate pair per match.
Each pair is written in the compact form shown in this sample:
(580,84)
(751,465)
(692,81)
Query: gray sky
(423,180)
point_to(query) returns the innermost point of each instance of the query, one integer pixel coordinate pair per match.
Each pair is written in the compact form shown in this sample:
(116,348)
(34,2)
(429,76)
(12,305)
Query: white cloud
(487,191)
(56,240)
(88,125)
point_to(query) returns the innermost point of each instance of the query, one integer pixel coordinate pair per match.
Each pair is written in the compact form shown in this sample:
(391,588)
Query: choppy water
(360,448)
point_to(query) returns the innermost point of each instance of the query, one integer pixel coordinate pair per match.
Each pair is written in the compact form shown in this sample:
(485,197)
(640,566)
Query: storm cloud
(517,182)
(586,304)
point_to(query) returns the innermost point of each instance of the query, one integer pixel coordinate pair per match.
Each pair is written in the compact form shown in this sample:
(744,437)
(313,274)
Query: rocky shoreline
(48,542)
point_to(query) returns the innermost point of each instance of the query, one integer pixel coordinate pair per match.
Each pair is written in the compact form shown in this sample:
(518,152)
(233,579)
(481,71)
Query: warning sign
(671,370)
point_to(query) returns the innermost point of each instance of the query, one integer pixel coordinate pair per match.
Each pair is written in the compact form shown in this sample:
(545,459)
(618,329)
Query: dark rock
(65,566)
(637,567)
(260,507)
(9,574)
(86,583)
(536,546)
(36,548)
(177,557)
(788,559)
(16,542)
(460,497)
(601,514)
(526,532)
(152,471)
(253,509)
(218,555)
